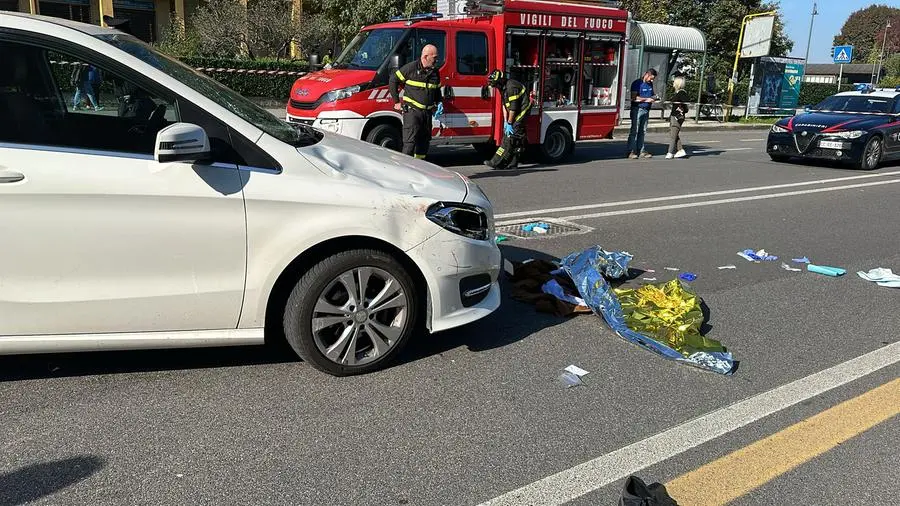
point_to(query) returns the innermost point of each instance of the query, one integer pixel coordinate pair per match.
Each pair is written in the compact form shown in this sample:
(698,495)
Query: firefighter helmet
(497,78)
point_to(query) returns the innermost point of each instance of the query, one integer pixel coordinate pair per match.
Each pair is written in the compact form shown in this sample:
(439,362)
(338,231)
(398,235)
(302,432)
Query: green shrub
(889,82)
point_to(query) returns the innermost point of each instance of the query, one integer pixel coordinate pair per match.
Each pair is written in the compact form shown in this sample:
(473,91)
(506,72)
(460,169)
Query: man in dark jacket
(517,104)
(422,97)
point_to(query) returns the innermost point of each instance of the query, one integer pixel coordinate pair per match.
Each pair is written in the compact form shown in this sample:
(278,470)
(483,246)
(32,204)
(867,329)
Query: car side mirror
(182,142)
(395,61)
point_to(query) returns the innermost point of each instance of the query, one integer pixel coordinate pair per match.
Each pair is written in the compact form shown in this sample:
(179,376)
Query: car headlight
(852,134)
(341,94)
(779,129)
(463,219)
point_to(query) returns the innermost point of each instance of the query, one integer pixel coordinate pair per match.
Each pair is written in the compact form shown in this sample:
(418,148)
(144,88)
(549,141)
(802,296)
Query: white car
(176,213)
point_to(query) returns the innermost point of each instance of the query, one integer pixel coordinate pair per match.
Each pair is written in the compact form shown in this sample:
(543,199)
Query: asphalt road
(475,413)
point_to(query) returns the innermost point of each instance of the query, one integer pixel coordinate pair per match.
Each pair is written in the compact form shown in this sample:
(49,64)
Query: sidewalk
(691,125)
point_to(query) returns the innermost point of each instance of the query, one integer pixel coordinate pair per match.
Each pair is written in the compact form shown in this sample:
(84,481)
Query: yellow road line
(742,471)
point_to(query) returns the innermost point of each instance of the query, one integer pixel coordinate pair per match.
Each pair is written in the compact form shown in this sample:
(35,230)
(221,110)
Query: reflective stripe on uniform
(525,111)
(413,102)
(400,76)
(420,84)
(500,151)
(513,98)
(419,157)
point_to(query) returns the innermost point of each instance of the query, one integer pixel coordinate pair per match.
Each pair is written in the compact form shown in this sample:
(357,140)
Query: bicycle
(712,108)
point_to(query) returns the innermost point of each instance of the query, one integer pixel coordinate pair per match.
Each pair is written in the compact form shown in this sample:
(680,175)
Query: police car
(860,128)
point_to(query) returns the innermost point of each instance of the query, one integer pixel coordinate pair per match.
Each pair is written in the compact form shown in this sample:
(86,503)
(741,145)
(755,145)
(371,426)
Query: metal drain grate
(557,228)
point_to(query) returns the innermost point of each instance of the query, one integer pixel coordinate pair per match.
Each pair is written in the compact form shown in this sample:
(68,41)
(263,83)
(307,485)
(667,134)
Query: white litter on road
(574,369)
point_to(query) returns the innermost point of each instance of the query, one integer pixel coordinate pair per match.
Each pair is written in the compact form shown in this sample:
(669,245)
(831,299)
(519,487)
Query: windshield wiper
(306,135)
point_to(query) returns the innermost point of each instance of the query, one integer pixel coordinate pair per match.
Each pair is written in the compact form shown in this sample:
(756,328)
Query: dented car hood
(339,156)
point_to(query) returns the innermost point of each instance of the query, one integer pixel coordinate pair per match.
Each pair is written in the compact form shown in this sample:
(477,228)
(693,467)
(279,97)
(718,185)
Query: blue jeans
(639,117)
(85,88)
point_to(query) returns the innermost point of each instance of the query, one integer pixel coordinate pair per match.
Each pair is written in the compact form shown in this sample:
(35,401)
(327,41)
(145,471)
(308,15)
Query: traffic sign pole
(840,76)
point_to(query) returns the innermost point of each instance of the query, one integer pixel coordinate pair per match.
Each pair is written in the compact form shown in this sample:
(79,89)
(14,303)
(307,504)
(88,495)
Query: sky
(828,23)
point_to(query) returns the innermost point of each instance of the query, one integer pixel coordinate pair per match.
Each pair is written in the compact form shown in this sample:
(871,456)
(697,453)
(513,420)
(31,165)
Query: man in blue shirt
(642,97)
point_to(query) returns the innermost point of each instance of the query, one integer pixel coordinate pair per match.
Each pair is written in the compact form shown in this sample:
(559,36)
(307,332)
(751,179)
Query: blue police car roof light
(415,17)
(865,87)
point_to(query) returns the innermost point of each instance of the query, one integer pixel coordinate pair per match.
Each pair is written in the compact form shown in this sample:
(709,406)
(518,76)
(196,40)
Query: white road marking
(707,142)
(594,474)
(751,140)
(691,195)
(728,201)
(721,149)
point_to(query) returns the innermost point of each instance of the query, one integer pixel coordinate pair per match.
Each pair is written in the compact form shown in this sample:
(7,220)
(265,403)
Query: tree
(271,26)
(864,30)
(330,23)
(177,41)
(892,66)
(649,11)
(220,27)
(720,21)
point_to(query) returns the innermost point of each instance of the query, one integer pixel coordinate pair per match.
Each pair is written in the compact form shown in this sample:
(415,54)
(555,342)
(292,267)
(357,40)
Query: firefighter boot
(497,161)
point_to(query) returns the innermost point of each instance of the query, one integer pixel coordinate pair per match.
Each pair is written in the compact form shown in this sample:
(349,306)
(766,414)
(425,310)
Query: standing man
(642,97)
(518,104)
(421,97)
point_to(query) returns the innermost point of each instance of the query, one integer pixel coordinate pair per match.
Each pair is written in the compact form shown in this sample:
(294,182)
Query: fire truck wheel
(386,136)
(557,144)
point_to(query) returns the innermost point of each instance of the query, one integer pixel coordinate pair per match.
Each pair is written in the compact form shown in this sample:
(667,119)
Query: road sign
(843,54)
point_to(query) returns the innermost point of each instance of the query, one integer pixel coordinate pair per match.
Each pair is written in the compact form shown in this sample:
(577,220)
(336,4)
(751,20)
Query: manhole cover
(555,227)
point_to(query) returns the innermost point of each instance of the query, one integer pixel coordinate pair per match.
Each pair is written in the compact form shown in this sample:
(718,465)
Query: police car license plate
(831,144)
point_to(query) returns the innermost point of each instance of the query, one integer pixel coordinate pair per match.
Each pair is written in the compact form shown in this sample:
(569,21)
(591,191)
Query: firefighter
(517,104)
(422,97)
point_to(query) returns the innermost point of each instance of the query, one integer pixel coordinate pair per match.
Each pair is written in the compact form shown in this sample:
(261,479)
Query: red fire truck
(570,54)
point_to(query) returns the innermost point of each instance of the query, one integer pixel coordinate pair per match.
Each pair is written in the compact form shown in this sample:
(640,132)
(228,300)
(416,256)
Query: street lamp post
(881,57)
(808,41)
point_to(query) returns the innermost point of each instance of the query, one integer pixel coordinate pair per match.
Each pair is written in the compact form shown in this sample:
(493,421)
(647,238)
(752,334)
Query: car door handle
(10,176)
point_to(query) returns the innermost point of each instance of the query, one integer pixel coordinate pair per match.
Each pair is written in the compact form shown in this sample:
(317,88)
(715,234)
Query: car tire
(323,323)
(386,136)
(779,158)
(872,154)
(557,145)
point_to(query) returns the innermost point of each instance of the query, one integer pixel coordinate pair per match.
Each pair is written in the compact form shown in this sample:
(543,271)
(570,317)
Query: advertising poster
(776,86)
(790,87)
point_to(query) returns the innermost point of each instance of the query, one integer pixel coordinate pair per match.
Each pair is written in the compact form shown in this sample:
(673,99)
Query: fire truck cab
(570,54)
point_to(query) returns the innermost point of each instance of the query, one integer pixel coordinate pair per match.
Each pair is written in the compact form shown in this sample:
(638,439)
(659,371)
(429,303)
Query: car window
(855,103)
(56,99)
(472,53)
(294,134)
(436,37)
(369,49)
(897,105)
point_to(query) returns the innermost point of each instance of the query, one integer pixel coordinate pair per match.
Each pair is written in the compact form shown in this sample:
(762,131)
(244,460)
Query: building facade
(828,73)
(149,19)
